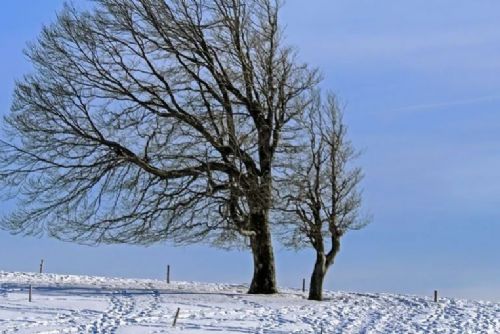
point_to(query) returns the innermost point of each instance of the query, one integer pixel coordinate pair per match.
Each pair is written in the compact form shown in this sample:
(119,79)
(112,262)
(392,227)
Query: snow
(84,304)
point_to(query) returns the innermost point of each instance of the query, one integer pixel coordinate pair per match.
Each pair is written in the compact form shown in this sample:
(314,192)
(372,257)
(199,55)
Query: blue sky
(421,85)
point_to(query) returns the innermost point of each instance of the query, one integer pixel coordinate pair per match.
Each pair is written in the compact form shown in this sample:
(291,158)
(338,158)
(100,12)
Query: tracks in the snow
(123,310)
(122,305)
(105,310)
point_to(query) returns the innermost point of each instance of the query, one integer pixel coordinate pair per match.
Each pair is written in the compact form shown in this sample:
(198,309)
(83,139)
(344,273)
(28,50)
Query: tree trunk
(264,277)
(317,277)
(323,262)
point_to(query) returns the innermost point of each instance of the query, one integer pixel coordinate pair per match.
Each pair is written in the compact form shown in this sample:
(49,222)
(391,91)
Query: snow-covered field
(82,304)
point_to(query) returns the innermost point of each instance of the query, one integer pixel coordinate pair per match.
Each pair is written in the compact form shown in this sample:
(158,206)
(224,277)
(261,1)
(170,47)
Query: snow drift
(84,304)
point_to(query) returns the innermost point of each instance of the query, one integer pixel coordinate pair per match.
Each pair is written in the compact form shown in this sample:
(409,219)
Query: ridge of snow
(90,304)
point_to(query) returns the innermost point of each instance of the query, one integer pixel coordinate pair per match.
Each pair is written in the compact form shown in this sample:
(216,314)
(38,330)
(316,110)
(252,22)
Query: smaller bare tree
(323,199)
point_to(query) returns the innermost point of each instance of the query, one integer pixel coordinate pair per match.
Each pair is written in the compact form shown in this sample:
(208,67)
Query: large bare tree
(151,120)
(322,200)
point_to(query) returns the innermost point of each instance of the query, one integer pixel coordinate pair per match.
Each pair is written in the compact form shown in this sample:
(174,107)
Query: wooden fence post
(176,316)
(435,296)
(30,293)
(168,274)
(303,285)
(41,266)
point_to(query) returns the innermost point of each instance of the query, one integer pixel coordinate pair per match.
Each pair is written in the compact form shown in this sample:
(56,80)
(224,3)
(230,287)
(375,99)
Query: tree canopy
(151,119)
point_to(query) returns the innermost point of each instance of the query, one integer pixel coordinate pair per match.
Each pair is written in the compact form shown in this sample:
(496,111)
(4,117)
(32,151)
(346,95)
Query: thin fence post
(41,266)
(303,285)
(435,296)
(168,274)
(30,291)
(176,316)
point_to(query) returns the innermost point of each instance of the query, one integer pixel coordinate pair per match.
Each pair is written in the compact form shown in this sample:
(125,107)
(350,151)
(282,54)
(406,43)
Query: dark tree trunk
(323,262)
(317,277)
(264,277)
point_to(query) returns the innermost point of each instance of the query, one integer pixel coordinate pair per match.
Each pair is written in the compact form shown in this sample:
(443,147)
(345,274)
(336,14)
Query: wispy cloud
(437,105)
(463,48)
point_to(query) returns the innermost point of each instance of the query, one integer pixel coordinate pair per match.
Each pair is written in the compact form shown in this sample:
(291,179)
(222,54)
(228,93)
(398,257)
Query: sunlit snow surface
(82,304)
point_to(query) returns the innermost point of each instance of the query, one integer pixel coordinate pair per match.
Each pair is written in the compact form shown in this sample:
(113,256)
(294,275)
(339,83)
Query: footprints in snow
(122,306)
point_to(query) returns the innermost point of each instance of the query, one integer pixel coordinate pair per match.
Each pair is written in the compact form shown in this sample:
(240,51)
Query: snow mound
(85,304)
